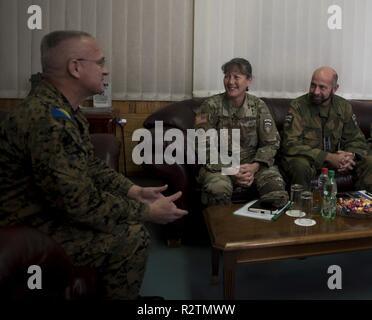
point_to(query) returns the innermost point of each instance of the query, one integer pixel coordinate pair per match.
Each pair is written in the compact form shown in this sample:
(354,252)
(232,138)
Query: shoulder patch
(58,113)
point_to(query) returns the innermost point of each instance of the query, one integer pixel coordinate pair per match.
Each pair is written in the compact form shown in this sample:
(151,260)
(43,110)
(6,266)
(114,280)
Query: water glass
(296,190)
(307,203)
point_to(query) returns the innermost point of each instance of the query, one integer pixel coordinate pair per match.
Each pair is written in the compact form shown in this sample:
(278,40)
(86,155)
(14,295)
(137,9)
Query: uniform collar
(333,107)
(230,110)
(53,97)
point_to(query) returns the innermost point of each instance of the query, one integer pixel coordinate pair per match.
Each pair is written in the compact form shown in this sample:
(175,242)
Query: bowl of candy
(354,207)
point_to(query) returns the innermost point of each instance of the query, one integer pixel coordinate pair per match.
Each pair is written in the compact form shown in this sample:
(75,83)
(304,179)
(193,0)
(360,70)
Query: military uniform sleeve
(353,140)
(206,118)
(61,171)
(268,136)
(293,138)
(107,178)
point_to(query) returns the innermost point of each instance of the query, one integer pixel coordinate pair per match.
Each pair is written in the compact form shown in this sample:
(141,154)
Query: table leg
(215,265)
(229,265)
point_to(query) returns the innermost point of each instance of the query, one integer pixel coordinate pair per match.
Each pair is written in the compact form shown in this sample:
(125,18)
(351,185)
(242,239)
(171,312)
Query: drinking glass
(296,206)
(307,210)
(307,204)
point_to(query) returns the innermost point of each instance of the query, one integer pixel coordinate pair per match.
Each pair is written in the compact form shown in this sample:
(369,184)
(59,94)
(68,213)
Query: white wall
(171,49)
(285,40)
(147,43)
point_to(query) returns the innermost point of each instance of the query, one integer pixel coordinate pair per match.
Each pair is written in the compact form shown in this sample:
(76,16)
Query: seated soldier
(50,178)
(259,140)
(321,130)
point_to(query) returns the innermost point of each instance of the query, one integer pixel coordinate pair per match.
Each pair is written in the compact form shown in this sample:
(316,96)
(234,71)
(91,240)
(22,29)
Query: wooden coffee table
(244,240)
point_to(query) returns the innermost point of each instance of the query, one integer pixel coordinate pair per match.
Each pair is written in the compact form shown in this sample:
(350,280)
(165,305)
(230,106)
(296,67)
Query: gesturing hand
(163,210)
(151,194)
(147,194)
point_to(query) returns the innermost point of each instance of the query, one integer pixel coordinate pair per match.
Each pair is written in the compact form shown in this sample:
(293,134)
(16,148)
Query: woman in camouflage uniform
(259,140)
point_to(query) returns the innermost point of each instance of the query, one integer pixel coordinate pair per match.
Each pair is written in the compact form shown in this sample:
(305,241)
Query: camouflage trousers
(300,170)
(217,189)
(120,257)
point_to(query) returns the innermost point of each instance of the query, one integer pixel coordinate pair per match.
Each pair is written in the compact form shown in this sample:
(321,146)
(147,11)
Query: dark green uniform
(50,179)
(311,131)
(259,142)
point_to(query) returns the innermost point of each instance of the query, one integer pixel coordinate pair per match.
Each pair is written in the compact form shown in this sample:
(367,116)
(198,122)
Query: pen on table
(368,194)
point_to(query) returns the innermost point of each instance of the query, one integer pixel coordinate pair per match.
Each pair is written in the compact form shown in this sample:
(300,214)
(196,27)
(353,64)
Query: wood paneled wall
(135,112)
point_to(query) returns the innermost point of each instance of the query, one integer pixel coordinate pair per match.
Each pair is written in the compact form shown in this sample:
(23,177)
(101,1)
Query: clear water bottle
(329,197)
(319,190)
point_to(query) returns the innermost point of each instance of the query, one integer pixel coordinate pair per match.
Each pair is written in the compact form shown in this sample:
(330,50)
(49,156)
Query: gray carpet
(184,274)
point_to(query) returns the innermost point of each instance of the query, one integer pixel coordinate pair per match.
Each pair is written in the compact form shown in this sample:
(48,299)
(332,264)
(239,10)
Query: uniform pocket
(312,137)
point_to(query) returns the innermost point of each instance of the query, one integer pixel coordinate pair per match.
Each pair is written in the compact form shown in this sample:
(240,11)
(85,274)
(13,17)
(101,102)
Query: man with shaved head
(321,130)
(50,178)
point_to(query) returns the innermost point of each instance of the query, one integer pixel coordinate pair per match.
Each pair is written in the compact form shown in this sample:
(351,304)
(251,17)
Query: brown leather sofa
(22,246)
(181,115)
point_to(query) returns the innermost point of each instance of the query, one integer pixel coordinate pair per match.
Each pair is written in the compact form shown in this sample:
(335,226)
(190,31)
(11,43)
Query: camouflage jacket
(49,174)
(259,137)
(304,135)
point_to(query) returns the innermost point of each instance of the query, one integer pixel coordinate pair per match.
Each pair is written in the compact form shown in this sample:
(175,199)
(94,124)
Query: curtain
(147,43)
(285,41)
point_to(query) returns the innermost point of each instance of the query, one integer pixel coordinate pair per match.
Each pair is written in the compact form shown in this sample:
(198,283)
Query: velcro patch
(354,119)
(58,113)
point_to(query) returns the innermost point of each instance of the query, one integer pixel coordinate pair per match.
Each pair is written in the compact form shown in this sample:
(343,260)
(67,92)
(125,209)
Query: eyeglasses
(101,62)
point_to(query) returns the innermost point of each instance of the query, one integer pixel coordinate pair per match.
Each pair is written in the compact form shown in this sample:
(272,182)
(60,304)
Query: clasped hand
(342,161)
(245,176)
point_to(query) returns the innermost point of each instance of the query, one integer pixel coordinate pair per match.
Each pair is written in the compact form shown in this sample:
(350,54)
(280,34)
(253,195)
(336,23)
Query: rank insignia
(288,119)
(268,124)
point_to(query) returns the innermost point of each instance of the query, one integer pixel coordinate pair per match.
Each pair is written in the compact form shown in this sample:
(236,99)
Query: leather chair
(181,115)
(22,246)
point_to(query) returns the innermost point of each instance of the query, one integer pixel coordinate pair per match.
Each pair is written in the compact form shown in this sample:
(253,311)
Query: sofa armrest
(22,247)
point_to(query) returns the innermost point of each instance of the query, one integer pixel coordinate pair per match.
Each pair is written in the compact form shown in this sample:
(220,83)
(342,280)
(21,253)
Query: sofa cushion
(179,115)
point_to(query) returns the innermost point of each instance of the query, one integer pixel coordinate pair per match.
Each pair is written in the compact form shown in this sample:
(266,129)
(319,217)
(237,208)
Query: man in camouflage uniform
(50,178)
(259,140)
(321,130)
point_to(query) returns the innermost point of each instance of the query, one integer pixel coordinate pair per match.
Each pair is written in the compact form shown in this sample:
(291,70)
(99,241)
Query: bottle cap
(324,170)
(331,173)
